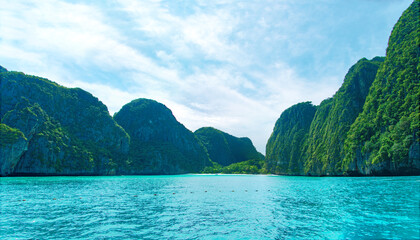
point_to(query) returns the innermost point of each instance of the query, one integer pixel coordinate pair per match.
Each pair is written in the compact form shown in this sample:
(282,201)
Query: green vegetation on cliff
(226,149)
(159,143)
(13,144)
(8,135)
(385,136)
(370,126)
(54,130)
(252,166)
(334,117)
(69,130)
(230,154)
(50,147)
(284,148)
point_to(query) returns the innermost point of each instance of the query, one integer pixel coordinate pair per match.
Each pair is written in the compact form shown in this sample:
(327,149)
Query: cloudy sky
(233,65)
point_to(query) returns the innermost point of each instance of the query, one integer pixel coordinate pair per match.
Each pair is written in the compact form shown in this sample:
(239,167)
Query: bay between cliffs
(209,207)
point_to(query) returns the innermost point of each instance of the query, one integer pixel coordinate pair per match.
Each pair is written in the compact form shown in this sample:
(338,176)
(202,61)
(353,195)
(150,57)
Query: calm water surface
(209,207)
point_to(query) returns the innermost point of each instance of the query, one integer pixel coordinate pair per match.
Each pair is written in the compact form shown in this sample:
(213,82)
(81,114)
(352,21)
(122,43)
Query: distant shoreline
(201,174)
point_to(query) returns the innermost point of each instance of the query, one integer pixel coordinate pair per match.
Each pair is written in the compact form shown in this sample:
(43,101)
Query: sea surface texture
(209,207)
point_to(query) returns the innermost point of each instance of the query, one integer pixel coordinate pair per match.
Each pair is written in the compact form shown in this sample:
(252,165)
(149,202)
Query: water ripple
(209,207)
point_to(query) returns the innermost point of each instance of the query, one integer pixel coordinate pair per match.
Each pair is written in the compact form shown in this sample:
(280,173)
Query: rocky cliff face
(332,121)
(68,131)
(384,139)
(371,125)
(285,147)
(226,149)
(159,143)
(12,145)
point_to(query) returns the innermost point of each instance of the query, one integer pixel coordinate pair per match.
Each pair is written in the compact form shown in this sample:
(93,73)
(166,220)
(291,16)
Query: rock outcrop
(370,126)
(284,151)
(159,143)
(384,139)
(333,118)
(226,149)
(67,131)
(12,145)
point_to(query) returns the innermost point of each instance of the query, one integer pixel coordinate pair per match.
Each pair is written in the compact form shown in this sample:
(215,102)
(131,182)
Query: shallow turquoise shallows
(209,207)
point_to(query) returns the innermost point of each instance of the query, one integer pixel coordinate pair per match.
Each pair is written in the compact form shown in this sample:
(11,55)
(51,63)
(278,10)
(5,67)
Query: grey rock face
(10,154)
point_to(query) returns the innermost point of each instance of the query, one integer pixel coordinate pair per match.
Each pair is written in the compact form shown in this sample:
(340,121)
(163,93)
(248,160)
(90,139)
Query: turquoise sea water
(209,207)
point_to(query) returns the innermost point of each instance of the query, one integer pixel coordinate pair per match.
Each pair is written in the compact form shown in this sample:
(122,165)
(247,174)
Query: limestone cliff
(226,149)
(285,147)
(333,118)
(68,131)
(370,126)
(384,139)
(159,143)
(12,145)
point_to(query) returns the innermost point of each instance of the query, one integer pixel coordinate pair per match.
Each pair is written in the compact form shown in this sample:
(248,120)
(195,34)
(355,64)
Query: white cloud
(202,33)
(75,33)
